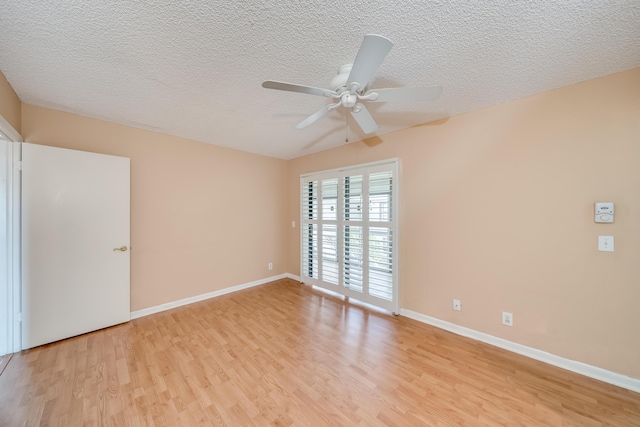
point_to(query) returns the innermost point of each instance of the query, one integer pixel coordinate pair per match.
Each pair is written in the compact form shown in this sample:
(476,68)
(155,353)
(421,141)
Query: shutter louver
(352,258)
(310,200)
(310,267)
(330,253)
(380,196)
(381,263)
(310,251)
(352,198)
(330,199)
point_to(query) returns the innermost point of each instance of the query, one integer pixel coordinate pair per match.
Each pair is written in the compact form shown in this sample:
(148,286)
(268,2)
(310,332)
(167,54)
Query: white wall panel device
(604,211)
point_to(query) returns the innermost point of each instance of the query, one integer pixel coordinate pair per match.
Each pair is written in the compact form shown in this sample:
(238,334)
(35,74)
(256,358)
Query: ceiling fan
(349,87)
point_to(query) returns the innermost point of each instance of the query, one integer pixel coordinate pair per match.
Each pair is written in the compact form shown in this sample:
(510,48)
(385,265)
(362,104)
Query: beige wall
(497,211)
(203,218)
(9,103)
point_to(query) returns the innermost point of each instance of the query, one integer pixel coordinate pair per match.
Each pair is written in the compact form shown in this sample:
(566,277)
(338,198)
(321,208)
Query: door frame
(10,260)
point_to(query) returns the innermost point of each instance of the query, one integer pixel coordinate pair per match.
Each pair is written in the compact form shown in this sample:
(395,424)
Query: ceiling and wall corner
(10,106)
(194,69)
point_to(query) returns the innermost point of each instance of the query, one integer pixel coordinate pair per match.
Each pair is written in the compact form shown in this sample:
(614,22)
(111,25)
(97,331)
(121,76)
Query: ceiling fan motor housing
(339,81)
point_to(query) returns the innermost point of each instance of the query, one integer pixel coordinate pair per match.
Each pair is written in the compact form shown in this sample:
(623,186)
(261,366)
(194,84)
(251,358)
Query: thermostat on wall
(604,211)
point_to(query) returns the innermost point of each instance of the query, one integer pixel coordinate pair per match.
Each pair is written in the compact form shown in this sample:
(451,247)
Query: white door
(75,243)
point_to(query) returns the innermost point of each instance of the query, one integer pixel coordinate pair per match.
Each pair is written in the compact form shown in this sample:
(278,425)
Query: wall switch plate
(456,304)
(507,318)
(293,224)
(605,243)
(270,266)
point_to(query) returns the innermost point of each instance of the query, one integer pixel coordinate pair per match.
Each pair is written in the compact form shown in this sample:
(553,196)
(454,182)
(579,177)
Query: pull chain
(346,129)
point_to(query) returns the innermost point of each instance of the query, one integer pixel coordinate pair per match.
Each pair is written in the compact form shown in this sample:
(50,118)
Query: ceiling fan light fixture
(348,99)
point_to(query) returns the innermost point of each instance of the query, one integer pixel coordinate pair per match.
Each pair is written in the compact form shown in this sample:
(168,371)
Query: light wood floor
(4,361)
(284,354)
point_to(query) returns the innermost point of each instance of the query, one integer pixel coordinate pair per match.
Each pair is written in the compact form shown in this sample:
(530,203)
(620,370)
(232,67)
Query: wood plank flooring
(284,354)
(4,361)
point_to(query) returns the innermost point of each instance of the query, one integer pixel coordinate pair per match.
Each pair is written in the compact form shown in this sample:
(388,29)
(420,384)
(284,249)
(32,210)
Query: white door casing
(10,327)
(9,246)
(75,213)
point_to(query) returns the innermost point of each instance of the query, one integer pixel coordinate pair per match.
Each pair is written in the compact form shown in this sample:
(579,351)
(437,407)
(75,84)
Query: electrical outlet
(507,318)
(270,266)
(456,304)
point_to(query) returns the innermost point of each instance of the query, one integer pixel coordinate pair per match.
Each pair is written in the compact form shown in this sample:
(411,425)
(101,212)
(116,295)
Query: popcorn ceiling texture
(194,69)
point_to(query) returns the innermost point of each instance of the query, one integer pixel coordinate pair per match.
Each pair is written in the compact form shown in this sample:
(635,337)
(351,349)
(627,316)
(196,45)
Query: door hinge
(19,317)
(19,165)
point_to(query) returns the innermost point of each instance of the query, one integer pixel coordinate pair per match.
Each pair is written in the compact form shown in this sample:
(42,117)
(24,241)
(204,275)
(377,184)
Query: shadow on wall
(377,140)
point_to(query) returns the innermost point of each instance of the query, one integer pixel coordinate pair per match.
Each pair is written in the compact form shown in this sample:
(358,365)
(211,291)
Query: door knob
(121,248)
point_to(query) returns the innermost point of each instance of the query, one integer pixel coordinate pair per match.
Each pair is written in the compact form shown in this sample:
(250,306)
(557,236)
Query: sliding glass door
(349,232)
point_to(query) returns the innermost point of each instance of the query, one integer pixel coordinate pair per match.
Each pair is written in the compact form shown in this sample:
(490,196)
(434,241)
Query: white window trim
(340,172)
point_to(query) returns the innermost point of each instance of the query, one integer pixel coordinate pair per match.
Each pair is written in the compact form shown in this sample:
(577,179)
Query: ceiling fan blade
(365,120)
(372,52)
(314,117)
(269,84)
(406,94)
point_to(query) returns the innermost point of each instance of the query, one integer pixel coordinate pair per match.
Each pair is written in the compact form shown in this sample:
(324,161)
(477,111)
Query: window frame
(392,224)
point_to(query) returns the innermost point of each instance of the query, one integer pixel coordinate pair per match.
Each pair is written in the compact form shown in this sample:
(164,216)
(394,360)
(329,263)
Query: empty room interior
(341,213)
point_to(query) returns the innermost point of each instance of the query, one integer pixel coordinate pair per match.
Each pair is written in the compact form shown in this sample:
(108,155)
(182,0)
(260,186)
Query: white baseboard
(561,362)
(293,276)
(168,306)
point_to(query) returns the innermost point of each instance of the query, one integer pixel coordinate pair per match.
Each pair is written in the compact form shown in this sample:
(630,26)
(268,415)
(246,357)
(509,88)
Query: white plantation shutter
(352,233)
(381,235)
(349,232)
(330,270)
(309,230)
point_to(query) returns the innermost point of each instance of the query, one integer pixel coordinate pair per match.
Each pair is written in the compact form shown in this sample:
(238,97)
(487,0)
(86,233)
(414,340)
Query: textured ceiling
(194,69)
